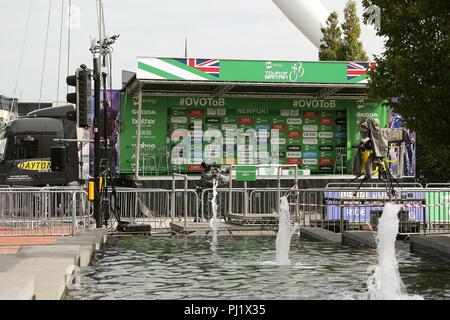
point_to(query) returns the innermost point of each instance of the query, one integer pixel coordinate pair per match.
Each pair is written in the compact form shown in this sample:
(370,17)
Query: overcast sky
(233,29)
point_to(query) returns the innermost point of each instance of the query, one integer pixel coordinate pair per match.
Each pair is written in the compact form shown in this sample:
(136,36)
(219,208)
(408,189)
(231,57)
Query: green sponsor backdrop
(153,133)
(309,130)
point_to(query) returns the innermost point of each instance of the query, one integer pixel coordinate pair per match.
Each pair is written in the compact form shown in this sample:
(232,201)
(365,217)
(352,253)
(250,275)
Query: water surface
(149,267)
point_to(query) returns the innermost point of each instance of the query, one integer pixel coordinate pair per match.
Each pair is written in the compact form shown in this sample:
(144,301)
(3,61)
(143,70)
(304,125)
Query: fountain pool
(241,267)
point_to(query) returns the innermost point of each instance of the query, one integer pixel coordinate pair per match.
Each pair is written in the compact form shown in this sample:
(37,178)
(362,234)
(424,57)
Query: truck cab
(25,148)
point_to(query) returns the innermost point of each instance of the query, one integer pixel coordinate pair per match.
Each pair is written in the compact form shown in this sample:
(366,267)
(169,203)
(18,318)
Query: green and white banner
(252,70)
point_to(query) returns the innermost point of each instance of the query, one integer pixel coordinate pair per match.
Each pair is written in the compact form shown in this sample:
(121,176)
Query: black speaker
(58,158)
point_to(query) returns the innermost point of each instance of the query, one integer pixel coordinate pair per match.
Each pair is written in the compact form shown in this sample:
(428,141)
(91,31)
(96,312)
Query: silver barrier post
(279,190)
(202,195)
(172,200)
(185,196)
(74,212)
(230,202)
(196,206)
(245,199)
(136,205)
(424,217)
(297,196)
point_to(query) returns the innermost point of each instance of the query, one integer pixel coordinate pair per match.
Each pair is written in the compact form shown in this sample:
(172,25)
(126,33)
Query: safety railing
(261,204)
(278,167)
(424,211)
(223,202)
(141,205)
(157,207)
(61,211)
(186,206)
(43,211)
(437,185)
(370,184)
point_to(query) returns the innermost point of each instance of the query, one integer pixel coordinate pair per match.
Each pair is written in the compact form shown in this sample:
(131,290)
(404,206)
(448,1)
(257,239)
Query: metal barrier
(437,185)
(60,211)
(42,211)
(142,206)
(223,202)
(173,196)
(279,168)
(157,207)
(370,184)
(424,211)
(188,209)
(262,203)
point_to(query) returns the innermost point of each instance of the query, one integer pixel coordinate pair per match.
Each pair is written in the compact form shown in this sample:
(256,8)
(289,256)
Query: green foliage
(433,164)
(335,48)
(352,48)
(415,67)
(331,43)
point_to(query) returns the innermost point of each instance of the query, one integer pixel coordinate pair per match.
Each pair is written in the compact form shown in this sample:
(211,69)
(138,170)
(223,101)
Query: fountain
(285,232)
(385,282)
(213,221)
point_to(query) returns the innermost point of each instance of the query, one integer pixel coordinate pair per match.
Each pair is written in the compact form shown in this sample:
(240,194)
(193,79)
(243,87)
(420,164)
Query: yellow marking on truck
(37,165)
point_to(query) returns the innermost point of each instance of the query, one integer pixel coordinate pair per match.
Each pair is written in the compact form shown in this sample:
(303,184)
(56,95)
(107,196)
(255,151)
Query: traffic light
(82,96)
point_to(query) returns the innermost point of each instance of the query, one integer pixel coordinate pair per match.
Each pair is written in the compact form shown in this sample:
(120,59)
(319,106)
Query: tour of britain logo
(277,71)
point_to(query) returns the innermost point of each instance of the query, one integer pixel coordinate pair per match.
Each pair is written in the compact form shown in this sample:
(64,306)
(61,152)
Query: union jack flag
(210,66)
(358,69)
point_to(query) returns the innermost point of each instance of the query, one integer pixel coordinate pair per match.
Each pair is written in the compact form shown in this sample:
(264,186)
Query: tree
(331,43)
(414,68)
(352,48)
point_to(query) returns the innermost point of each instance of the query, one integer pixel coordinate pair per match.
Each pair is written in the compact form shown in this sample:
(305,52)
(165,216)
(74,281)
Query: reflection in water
(243,268)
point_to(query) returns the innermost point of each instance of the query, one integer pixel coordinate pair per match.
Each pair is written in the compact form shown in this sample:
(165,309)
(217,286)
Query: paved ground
(10,250)
(27,241)
(38,231)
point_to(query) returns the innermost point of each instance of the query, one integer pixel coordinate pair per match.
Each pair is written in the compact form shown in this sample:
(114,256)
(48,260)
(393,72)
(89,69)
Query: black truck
(27,143)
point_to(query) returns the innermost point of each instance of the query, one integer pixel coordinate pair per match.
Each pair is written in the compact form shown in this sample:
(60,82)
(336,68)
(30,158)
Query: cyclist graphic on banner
(297,72)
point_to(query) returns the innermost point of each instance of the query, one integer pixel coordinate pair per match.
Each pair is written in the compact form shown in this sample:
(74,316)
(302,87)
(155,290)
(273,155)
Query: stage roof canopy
(252,78)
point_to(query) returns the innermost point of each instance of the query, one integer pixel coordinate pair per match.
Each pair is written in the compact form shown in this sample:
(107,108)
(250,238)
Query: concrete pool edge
(320,234)
(43,272)
(439,244)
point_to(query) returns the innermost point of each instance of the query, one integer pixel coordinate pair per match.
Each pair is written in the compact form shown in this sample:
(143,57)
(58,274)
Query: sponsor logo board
(310,161)
(294,148)
(310,141)
(310,128)
(294,154)
(294,121)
